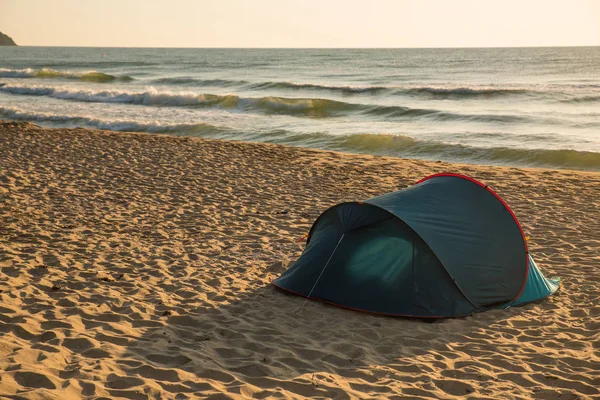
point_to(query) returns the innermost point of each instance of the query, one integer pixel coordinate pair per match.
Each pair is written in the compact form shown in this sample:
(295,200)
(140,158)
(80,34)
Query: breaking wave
(309,107)
(90,76)
(112,125)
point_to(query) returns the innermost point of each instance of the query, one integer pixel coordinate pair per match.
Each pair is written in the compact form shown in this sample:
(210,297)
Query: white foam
(113,125)
(17,73)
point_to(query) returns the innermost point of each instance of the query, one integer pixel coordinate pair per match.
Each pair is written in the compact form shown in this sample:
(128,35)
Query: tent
(448,246)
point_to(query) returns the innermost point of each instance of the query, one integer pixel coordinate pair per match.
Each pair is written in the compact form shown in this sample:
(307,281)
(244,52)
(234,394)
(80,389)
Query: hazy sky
(302,23)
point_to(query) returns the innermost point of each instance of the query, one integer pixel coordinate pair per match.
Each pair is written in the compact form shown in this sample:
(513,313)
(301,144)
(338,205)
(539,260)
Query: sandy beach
(139,266)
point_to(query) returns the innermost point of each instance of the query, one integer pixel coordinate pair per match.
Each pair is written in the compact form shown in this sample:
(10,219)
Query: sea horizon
(314,48)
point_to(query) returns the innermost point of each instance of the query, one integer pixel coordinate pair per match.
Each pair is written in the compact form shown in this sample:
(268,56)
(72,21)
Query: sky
(302,23)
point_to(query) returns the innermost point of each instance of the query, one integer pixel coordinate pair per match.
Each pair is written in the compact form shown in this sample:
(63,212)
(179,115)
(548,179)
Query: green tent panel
(447,246)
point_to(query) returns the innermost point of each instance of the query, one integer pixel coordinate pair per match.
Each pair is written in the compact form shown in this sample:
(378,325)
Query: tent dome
(447,246)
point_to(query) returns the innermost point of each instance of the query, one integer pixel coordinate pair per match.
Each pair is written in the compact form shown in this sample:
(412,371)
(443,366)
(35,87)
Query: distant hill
(6,40)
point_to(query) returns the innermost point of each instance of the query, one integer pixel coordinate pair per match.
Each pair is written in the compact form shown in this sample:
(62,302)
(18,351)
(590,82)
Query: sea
(529,107)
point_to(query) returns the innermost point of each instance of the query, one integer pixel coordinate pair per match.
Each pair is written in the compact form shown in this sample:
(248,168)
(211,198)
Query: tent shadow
(267,341)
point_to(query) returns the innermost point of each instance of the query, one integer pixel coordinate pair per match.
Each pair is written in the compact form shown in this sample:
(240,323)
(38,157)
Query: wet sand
(138,266)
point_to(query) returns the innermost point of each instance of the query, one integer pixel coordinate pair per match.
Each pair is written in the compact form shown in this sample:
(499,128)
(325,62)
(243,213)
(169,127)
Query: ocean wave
(405,146)
(185,81)
(201,129)
(400,112)
(308,107)
(45,73)
(276,85)
(409,147)
(102,62)
(380,144)
(429,91)
(314,86)
(464,92)
(582,99)
(151,97)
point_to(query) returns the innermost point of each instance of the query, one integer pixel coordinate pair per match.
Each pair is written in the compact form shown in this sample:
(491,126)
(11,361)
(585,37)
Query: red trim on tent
(358,309)
(505,205)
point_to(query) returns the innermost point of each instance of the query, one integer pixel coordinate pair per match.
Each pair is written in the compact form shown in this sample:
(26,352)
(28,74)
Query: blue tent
(448,246)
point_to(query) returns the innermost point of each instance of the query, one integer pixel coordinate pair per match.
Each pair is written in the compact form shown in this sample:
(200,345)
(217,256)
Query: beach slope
(138,266)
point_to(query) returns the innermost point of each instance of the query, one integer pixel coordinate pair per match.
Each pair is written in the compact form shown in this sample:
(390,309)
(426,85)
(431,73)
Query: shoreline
(536,156)
(136,265)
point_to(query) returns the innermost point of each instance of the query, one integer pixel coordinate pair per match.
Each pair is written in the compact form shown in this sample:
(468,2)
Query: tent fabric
(452,213)
(447,246)
(537,286)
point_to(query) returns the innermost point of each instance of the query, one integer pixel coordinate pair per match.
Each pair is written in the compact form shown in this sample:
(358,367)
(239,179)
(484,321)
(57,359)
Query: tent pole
(323,270)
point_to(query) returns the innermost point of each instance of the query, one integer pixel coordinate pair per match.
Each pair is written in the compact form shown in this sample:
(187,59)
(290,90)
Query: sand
(138,266)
